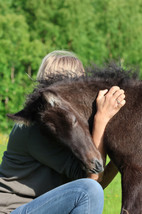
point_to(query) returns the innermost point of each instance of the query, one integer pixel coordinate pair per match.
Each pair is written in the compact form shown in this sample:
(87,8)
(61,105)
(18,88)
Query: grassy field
(112,193)
(3,144)
(112,203)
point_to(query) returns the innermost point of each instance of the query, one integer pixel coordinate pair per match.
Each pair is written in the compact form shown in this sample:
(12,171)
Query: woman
(35,172)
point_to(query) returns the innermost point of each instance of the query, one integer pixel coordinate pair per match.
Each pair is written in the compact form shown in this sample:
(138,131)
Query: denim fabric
(83,196)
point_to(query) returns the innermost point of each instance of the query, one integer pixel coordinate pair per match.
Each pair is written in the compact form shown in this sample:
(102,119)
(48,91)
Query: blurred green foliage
(95,30)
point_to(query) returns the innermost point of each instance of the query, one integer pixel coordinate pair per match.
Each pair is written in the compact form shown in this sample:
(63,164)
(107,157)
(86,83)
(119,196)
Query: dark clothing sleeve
(32,165)
(45,150)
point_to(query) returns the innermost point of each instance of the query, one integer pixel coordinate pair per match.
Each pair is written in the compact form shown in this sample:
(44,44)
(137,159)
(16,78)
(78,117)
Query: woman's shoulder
(21,135)
(21,129)
(31,134)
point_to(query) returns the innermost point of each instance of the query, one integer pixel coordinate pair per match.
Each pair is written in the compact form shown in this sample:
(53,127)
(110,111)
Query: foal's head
(57,118)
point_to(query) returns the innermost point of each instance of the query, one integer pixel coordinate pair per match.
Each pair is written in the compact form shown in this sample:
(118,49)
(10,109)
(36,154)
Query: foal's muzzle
(96,166)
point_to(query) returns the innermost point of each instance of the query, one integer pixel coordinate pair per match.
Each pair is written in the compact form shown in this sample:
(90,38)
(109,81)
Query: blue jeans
(83,196)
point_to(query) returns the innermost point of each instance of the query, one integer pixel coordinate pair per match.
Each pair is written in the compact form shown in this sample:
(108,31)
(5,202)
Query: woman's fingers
(112,98)
(113,90)
(112,94)
(121,103)
(119,96)
(110,102)
(116,95)
(102,93)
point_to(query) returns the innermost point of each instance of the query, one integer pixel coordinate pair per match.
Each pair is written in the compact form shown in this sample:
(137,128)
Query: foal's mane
(111,72)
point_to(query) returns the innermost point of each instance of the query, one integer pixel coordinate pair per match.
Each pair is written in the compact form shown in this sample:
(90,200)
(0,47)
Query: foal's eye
(74,120)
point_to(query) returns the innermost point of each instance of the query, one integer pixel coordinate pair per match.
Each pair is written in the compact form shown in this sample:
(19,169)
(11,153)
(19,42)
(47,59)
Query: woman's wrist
(100,119)
(99,126)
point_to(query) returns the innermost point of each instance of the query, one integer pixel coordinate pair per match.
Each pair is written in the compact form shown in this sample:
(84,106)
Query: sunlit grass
(3,144)
(112,196)
(112,200)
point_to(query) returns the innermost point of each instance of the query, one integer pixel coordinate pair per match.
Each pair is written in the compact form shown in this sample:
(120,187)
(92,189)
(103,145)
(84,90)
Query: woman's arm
(108,104)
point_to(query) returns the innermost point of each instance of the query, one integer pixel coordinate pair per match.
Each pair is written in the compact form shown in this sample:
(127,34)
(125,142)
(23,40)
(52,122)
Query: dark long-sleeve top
(32,165)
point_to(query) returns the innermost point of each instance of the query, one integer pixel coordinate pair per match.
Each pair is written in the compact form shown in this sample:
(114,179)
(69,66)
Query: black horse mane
(110,72)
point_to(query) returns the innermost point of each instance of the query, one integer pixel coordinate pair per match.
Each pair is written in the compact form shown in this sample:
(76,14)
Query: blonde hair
(60,62)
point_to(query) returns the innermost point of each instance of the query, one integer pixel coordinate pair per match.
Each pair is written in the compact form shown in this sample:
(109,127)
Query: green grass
(112,200)
(3,145)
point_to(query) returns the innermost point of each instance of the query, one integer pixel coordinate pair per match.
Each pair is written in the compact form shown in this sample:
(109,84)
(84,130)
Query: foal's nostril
(99,166)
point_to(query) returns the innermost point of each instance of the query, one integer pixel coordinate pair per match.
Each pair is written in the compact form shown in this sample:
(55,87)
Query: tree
(95,30)
(121,26)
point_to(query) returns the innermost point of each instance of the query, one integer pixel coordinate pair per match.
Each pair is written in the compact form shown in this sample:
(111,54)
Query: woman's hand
(109,103)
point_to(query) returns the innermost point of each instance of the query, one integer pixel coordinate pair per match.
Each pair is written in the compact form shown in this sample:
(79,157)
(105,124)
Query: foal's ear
(20,117)
(52,99)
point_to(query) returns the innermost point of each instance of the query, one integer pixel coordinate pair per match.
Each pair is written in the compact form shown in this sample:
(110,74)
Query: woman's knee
(92,193)
(91,187)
